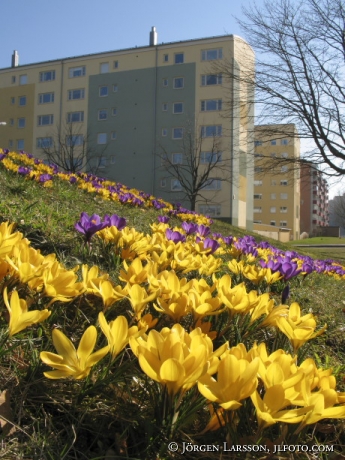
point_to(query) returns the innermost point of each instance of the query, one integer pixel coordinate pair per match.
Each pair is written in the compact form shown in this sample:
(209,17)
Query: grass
(113,417)
(320,240)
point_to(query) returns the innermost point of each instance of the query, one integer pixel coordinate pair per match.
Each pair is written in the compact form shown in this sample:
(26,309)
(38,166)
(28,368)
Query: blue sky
(42,30)
(45,29)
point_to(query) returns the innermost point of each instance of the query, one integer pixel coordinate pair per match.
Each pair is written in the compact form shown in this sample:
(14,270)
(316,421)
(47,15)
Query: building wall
(314,199)
(140,86)
(276,178)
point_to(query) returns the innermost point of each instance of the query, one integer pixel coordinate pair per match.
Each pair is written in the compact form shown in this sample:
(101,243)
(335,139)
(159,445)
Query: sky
(42,30)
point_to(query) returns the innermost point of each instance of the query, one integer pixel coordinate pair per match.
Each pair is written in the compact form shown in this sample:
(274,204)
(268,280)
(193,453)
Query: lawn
(119,342)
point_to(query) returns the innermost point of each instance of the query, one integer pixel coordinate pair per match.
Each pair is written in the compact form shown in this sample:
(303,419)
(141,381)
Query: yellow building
(277,180)
(133,104)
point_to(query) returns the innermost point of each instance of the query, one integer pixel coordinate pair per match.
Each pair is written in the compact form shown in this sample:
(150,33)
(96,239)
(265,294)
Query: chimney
(15,59)
(153,37)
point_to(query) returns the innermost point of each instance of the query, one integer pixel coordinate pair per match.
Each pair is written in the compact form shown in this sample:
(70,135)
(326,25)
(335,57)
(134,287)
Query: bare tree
(68,148)
(299,77)
(200,167)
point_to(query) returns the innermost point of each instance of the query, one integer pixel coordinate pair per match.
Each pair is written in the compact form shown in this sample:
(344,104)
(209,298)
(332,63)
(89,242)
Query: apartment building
(277,179)
(314,199)
(134,106)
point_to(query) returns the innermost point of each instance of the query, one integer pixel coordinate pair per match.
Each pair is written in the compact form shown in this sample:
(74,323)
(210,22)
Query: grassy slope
(47,217)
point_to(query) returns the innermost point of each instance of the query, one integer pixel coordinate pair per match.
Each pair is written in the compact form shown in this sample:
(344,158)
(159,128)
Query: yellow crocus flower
(70,362)
(20,317)
(172,357)
(117,332)
(236,380)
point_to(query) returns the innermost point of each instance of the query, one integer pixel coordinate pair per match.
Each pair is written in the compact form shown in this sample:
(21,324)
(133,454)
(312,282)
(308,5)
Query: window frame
(42,117)
(101,90)
(73,92)
(179,58)
(175,104)
(41,98)
(105,114)
(219,54)
(104,139)
(79,117)
(45,73)
(73,70)
(176,79)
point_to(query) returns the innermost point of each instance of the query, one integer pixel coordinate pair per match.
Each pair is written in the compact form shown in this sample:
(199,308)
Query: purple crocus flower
(72,179)
(2,156)
(189,227)
(203,230)
(45,177)
(23,170)
(289,269)
(211,244)
(228,240)
(115,221)
(285,294)
(163,219)
(176,237)
(88,226)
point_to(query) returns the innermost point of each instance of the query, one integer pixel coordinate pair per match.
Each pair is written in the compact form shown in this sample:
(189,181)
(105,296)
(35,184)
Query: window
(103,91)
(116,64)
(101,138)
(211,131)
(273,142)
(102,163)
(257,183)
(283,223)
(102,114)
(273,222)
(273,209)
(210,157)
(258,169)
(257,196)
(21,122)
(112,159)
(13,79)
(113,111)
(178,82)
(283,209)
(209,80)
(258,209)
(13,100)
(164,107)
(284,142)
(211,105)
(74,94)
(273,196)
(210,210)
(212,184)
(23,79)
(257,143)
(75,117)
(273,182)
(178,107)
(44,142)
(72,141)
(283,182)
(77,71)
(115,88)
(113,135)
(45,98)
(257,221)
(176,185)
(285,155)
(104,67)
(284,169)
(283,196)
(164,132)
(165,82)
(211,55)
(166,58)
(20,144)
(44,120)
(177,158)
(177,133)
(22,101)
(49,75)
(179,58)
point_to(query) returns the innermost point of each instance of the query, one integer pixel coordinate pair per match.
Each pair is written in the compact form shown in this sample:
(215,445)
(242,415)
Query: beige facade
(277,178)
